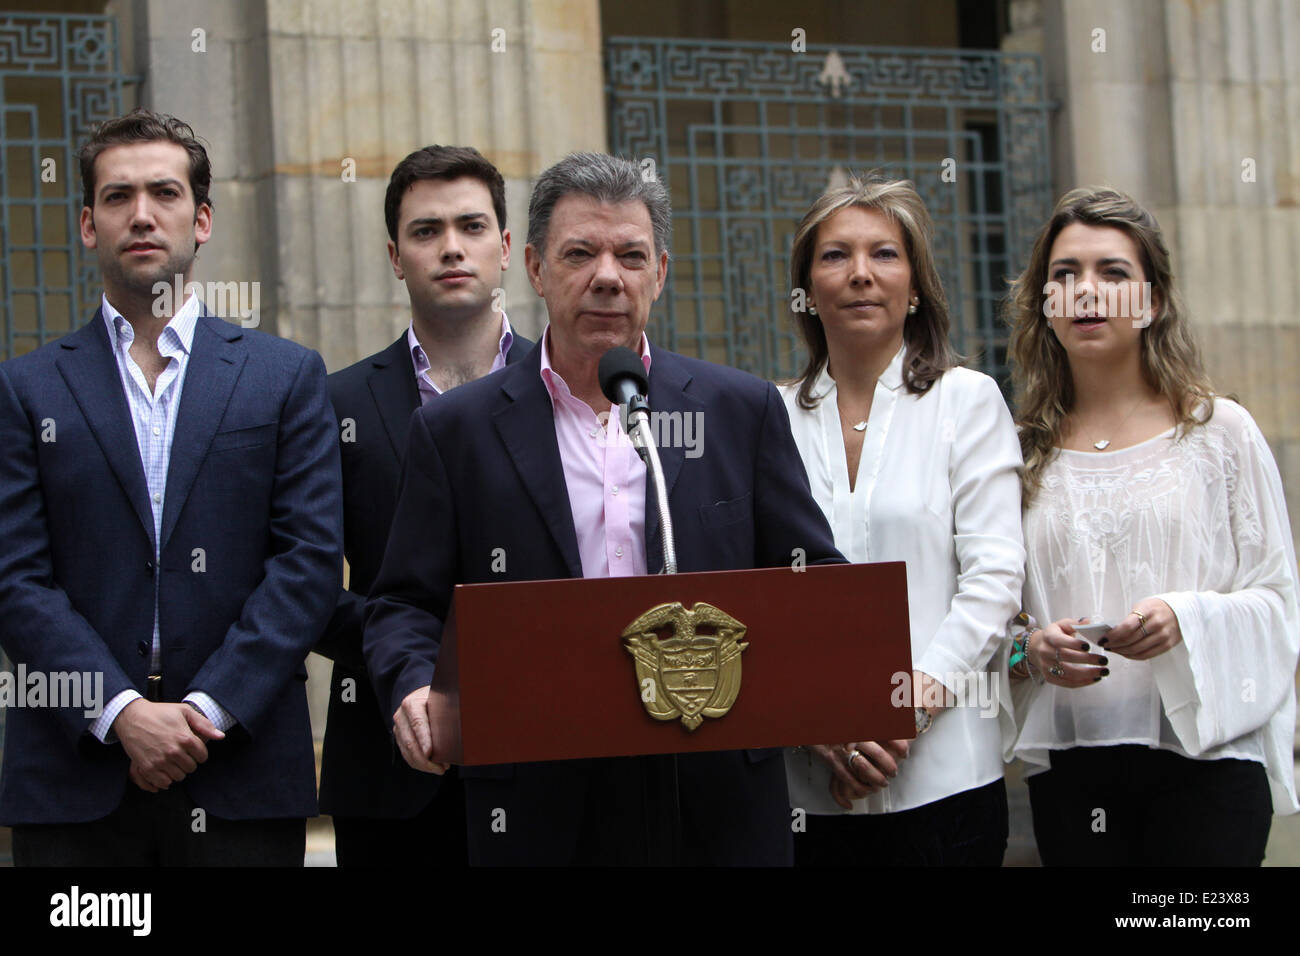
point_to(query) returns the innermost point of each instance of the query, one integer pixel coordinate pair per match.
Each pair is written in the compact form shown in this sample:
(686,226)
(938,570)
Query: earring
(812,310)
(911,309)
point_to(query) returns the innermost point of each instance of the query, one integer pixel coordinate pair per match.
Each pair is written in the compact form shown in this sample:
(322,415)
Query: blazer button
(142,649)
(148,566)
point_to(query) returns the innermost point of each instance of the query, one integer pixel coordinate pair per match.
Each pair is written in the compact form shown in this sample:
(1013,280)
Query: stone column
(1195,110)
(354,87)
(206,63)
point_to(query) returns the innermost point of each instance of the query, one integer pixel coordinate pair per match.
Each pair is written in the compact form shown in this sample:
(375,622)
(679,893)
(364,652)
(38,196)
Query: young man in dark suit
(448,242)
(530,463)
(170,512)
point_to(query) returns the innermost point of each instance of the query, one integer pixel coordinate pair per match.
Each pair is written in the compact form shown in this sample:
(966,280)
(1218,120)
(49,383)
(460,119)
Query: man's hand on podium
(411,727)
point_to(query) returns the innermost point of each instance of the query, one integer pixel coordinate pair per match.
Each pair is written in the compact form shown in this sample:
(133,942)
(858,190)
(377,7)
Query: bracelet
(1026,626)
(1019,652)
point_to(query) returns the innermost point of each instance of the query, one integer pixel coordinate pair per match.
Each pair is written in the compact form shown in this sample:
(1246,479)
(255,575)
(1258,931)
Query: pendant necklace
(860,426)
(1105,442)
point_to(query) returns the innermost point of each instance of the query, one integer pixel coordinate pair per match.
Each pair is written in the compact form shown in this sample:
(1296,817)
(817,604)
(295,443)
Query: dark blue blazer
(483,472)
(253,481)
(362,772)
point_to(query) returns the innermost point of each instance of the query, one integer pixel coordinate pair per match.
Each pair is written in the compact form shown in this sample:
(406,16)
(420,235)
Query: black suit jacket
(362,773)
(484,468)
(253,481)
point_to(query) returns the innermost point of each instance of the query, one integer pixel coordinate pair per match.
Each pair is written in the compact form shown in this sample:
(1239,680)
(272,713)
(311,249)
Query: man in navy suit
(446,215)
(170,519)
(530,465)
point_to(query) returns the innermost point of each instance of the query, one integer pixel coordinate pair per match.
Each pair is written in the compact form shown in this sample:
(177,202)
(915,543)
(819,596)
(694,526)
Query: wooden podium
(537,670)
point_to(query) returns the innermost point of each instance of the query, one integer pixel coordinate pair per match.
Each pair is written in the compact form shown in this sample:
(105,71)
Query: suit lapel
(527,427)
(668,398)
(214,366)
(89,368)
(396,395)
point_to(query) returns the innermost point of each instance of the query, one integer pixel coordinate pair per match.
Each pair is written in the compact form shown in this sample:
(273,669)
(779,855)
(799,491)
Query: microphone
(623,380)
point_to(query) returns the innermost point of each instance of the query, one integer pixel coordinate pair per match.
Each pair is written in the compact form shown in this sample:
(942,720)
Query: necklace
(1105,442)
(860,426)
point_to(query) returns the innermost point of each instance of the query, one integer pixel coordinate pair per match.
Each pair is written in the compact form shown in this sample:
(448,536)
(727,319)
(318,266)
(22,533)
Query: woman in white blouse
(1155,508)
(914,459)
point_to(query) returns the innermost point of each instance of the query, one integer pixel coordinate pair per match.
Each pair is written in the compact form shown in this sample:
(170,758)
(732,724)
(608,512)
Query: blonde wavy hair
(928,352)
(1044,388)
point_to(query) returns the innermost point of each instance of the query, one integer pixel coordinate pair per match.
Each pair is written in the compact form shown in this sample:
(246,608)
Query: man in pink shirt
(532,460)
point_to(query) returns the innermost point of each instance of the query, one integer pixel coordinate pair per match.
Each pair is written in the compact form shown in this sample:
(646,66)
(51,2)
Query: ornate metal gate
(747,135)
(58,75)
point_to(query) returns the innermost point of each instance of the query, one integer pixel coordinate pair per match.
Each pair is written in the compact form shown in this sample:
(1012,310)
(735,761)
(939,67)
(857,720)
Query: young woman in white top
(914,459)
(1153,507)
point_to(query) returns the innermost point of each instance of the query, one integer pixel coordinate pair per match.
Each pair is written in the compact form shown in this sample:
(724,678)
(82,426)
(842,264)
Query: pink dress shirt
(606,478)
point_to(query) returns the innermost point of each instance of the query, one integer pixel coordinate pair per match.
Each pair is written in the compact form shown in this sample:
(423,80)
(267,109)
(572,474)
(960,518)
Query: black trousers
(966,829)
(1132,805)
(161,829)
(732,809)
(433,837)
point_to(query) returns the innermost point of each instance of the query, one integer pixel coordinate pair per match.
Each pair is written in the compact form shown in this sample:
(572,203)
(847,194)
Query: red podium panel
(537,670)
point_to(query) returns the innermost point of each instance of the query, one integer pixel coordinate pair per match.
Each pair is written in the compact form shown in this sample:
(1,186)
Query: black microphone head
(621,363)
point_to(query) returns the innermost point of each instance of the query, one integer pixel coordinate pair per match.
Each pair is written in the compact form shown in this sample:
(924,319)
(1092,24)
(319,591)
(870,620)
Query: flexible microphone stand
(623,380)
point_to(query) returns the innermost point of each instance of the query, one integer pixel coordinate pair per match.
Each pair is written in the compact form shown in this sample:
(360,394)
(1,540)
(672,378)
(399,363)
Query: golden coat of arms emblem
(693,674)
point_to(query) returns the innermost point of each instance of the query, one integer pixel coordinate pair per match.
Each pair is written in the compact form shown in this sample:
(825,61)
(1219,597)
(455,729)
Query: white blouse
(1200,523)
(937,487)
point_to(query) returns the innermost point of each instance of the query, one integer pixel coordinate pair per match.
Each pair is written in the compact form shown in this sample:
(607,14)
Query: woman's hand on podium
(862,768)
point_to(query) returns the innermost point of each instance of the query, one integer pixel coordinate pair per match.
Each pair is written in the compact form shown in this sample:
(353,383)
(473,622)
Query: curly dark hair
(145,126)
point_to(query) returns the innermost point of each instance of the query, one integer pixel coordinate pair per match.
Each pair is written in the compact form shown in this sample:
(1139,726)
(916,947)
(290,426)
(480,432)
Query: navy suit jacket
(483,472)
(362,772)
(253,482)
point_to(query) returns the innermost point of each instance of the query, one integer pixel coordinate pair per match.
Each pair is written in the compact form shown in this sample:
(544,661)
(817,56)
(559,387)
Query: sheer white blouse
(1199,522)
(937,487)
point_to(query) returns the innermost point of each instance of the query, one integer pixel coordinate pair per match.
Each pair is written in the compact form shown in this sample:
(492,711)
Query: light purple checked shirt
(605,476)
(154,416)
(424,382)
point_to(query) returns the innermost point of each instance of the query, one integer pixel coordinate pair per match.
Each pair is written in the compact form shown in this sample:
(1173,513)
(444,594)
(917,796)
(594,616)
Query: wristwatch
(923,720)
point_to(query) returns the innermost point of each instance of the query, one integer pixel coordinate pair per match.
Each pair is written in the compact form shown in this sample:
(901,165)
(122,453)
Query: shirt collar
(421,360)
(891,377)
(556,385)
(182,325)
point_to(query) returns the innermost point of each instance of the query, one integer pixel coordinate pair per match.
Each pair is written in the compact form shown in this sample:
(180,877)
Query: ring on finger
(1142,621)
(852,754)
(1056,670)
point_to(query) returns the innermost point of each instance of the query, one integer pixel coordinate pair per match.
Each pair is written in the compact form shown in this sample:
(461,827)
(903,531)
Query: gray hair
(607,179)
